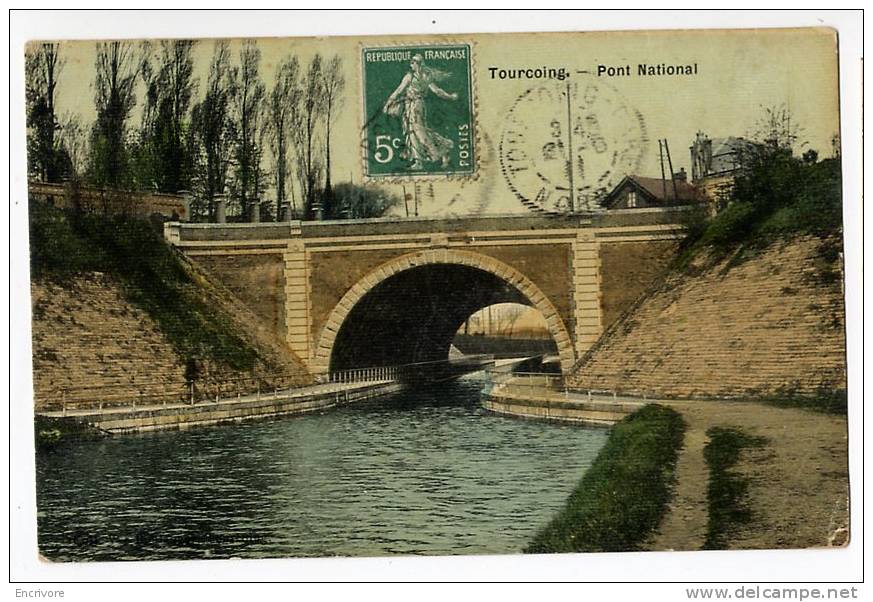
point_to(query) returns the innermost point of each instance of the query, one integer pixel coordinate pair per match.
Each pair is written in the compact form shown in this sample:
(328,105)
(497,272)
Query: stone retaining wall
(770,325)
(545,407)
(227,411)
(85,334)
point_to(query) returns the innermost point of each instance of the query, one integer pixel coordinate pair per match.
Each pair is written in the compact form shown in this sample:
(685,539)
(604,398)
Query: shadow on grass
(726,493)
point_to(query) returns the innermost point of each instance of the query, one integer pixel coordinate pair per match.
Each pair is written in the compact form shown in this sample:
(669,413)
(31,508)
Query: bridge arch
(488,279)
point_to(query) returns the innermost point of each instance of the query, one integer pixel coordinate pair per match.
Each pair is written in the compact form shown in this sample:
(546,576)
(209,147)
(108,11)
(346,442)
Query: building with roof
(638,192)
(715,163)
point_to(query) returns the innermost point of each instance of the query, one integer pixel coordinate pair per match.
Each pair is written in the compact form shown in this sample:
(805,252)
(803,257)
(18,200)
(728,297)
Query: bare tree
(261,177)
(334,85)
(211,136)
(43,66)
(313,107)
(776,130)
(507,317)
(74,141)
(284,120)
(170,85)
(246,109)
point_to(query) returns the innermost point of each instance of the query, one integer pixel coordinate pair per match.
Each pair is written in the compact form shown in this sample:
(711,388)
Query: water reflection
(423,472)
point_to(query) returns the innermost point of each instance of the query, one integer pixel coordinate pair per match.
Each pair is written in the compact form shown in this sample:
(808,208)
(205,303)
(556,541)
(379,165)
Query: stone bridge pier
(366,293)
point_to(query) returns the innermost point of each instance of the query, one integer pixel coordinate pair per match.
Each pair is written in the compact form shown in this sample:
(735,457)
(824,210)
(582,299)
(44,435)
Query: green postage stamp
(418,111)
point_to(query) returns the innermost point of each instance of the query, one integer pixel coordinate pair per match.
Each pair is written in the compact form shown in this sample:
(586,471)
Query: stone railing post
(221,209)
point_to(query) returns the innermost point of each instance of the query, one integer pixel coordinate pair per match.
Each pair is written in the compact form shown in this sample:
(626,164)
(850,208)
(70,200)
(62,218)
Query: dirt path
(798,482)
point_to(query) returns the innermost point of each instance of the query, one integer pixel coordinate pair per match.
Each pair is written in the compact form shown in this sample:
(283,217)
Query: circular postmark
(566,144)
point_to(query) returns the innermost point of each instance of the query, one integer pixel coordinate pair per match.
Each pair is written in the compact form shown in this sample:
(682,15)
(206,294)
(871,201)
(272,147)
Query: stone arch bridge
(382,292)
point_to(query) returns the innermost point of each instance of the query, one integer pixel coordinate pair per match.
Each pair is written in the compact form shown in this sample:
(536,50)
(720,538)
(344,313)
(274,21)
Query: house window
(632,199)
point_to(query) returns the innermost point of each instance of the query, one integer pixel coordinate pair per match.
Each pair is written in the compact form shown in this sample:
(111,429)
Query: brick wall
(627,269)
(109,200)
(768,325)
(547,266)
(332,274)
(257,280)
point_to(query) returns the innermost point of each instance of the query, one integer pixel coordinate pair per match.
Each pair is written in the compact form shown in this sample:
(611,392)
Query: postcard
(437,294)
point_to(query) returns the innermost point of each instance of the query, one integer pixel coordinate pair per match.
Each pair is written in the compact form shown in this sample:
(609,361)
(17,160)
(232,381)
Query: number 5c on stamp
(418,111)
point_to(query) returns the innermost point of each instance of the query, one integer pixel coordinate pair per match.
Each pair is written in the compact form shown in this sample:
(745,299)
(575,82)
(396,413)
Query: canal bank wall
(539,402)
(114,421)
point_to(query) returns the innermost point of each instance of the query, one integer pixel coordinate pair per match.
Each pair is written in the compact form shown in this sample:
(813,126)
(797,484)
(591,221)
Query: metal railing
(398,372)
(516,382)
(358,375)
(162,393)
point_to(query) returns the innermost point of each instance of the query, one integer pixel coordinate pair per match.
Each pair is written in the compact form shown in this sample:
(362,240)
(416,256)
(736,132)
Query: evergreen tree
(360,202)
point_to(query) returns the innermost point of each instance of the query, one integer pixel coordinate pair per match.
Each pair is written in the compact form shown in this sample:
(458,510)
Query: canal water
(421,472)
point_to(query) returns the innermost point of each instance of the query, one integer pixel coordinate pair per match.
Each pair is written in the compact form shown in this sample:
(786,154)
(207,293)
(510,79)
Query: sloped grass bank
(777,198)
(64,244)
(726,492)
(624,494)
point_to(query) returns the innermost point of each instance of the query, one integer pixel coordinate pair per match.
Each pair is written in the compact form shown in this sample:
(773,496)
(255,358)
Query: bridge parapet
(239,232)
(233,233)
(307,278)
(111,201)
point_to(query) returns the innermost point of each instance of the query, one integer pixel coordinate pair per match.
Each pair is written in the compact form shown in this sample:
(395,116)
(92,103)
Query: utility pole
(663,177)
(672,173)
(570,147)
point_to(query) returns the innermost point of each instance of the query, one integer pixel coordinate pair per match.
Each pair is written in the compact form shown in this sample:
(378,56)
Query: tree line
(235,139)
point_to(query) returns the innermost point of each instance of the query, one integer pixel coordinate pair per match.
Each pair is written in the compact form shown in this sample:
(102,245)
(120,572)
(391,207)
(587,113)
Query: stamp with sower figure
(418,111)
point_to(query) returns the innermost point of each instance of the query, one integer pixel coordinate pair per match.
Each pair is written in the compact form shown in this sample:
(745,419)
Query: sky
(738,73)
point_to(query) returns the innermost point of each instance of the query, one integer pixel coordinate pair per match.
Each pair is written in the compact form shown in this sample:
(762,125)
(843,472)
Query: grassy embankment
(624,494)
(65,244)
(779,198)
(726,492)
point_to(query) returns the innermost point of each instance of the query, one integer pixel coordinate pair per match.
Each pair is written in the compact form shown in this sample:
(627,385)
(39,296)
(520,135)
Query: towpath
(798,481)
